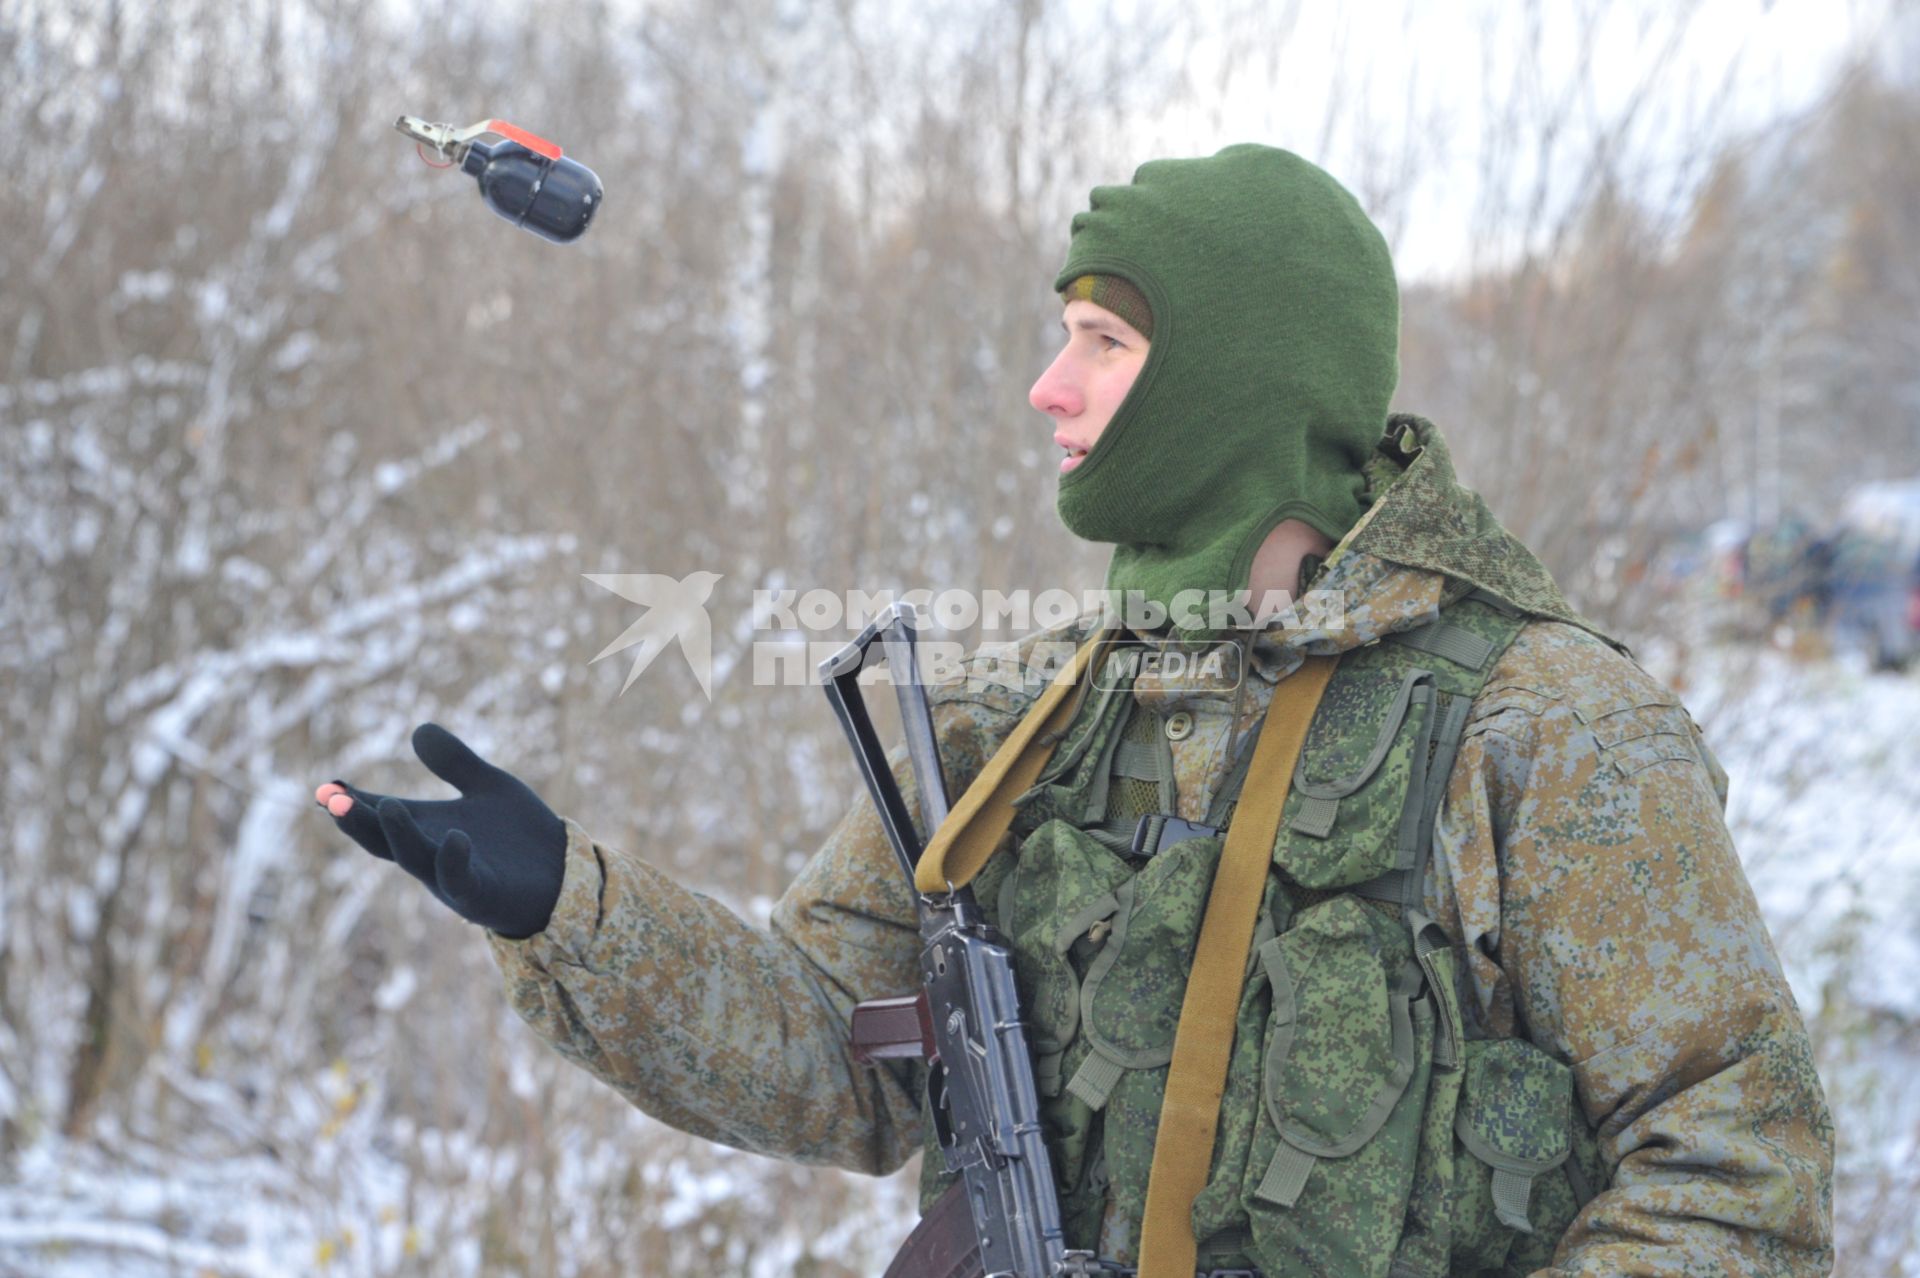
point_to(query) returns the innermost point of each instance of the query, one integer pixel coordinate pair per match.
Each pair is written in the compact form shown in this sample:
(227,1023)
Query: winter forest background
(300,446)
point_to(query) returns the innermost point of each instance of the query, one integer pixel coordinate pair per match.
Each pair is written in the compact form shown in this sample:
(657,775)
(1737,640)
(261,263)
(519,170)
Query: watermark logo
(797,630)
(1174,665)
(675,610)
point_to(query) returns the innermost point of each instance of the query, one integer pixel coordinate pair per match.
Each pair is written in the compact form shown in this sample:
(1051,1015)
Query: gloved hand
(495,855)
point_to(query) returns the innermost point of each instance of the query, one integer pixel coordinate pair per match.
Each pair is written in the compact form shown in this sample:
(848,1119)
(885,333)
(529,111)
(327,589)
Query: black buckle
(1157,829)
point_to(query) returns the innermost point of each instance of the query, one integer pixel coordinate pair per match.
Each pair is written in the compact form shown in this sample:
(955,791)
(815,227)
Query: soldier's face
(1088,379)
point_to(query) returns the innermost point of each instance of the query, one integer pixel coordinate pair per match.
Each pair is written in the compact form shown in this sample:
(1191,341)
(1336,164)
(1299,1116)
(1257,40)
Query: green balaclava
(1274,352)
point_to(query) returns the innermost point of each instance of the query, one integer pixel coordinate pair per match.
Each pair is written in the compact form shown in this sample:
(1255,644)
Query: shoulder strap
(975,825)
(1405,884)
(1476,652)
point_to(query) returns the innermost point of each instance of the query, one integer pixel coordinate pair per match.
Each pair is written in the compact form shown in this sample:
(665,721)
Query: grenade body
(555,199)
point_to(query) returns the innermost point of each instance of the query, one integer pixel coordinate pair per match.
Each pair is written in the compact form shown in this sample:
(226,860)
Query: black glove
(495,855)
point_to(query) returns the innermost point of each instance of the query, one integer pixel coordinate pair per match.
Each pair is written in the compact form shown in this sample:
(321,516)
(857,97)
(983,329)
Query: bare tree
(299,447)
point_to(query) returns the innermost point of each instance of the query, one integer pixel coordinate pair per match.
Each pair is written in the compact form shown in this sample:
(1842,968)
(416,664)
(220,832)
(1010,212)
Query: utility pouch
(1130,999)
(1348,1055)
(1514,1125)
(1061,886)
(1342,823)
(1130,1004)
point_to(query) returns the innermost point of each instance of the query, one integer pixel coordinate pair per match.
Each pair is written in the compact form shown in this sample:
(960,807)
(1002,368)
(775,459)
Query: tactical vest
(1367,1127)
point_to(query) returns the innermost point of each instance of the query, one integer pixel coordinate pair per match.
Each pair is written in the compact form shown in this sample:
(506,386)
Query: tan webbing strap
(1196,1079)
(974,827)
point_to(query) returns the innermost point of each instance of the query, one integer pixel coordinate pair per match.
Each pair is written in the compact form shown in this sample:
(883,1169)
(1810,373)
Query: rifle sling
(1196,1078)
(975,826)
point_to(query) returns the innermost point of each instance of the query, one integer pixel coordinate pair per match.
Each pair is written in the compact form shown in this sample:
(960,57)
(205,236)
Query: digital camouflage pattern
(1323,1159)
(1341,1087)
(1510,1086)
(1596,915)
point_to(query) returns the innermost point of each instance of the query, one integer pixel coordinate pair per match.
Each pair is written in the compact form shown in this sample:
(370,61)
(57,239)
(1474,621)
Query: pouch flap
(1342,1048)
(1516,1106)
(1061,883)
(1131,998)
(1368,740)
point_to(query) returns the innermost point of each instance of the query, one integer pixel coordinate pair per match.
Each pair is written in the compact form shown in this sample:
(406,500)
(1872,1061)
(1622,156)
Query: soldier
(1509,1004)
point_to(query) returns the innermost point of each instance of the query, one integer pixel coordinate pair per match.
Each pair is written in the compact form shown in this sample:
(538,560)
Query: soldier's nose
(1053,394)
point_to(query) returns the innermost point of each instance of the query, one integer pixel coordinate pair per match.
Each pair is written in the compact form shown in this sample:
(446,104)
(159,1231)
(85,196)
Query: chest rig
(1363,1129)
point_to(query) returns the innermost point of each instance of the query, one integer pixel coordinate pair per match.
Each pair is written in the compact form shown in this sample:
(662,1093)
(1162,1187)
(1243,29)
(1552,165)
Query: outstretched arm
(728,1032)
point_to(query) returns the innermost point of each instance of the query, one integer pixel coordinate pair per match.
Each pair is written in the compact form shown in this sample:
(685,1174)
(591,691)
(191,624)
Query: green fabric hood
(1274,355)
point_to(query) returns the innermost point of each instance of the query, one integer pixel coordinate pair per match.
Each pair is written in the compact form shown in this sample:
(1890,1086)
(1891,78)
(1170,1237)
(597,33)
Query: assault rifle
(965,1022)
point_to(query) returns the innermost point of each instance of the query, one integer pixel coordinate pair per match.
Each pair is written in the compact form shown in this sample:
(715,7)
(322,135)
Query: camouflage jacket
(1582,870)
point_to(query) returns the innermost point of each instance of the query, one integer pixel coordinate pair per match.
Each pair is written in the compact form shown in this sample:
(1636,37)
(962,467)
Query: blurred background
(301,446)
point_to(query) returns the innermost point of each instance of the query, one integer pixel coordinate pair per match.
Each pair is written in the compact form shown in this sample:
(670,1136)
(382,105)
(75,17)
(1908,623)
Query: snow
(143,286)
(245,572)
(297,351)
(211,301)
(1823,802)
(465,617)
(85,450)
(397,990)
